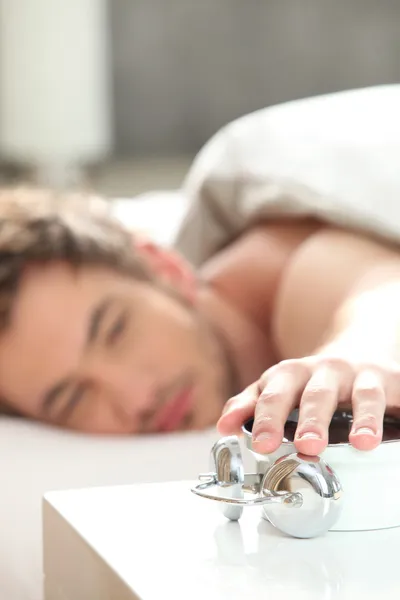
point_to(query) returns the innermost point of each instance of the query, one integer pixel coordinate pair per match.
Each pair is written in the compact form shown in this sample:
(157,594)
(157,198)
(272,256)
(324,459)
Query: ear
(169,267)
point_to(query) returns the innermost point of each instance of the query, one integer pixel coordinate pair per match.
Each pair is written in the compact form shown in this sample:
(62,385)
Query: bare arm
(336,324)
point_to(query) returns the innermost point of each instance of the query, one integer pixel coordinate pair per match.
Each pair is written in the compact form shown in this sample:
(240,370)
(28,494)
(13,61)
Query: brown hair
(41,226)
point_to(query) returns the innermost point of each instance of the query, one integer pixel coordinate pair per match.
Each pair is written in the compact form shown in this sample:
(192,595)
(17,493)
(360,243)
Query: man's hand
(317,385)
(338,307)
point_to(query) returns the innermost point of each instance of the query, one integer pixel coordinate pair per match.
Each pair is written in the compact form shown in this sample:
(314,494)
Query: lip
(175,411)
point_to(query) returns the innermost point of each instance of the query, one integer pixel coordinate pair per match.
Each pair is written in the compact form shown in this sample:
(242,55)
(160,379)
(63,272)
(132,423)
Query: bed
(35,458)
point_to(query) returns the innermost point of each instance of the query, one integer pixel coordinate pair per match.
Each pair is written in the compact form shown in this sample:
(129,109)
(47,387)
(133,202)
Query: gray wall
(182,68)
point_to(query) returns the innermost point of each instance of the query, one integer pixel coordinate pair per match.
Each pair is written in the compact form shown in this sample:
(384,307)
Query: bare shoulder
(325,269)
(247,272)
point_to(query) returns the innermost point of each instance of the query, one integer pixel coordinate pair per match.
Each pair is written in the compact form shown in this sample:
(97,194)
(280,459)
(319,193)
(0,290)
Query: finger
(369,402)
(237,410)
(280,395)
(318,403)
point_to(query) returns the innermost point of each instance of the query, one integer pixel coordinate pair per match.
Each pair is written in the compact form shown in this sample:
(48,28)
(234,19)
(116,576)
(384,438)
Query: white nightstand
(158,541)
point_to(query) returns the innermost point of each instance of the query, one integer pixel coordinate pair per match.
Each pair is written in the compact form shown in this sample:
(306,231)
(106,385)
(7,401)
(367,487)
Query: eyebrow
(95,322)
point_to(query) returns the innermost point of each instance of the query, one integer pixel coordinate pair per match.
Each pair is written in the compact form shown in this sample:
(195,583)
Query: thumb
(237,410)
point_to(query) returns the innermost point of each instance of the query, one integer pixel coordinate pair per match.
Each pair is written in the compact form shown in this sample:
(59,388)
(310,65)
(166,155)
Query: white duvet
(336,157)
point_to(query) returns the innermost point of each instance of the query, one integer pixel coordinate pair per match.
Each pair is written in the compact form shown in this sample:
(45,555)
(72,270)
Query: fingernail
(309,435)
(262,437)
(364,431)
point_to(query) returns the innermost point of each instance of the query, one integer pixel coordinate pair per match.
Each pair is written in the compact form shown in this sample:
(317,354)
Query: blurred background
(120,95)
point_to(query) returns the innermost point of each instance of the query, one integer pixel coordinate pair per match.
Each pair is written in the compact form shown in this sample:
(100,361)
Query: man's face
(97,351)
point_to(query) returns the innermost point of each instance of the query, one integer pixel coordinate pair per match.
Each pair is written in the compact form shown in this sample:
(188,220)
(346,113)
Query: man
(107,333)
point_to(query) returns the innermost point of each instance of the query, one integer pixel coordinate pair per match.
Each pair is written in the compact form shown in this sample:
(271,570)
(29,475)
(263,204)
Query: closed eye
(72,402)
(117,328)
